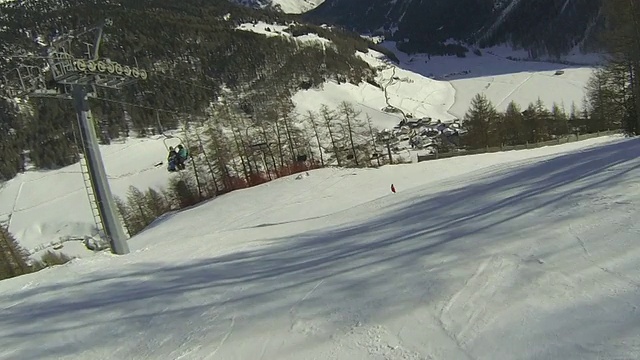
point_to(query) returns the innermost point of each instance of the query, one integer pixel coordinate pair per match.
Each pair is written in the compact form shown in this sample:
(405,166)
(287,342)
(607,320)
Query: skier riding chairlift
(177,158)
(183,153)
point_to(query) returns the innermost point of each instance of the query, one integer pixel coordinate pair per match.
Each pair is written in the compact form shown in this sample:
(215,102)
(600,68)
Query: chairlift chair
(169,141)
(174,139)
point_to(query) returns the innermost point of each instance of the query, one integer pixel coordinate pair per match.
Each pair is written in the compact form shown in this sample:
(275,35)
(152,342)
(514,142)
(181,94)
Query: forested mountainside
(550,27)
(193,52)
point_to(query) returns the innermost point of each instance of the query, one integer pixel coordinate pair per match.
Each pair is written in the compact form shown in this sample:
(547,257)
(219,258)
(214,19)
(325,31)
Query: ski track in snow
(514,90)
(593,260)
(465,312)
(224,338)
(15,204)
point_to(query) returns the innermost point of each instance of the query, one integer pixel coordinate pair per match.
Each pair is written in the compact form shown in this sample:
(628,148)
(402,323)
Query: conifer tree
(622,38)
(481,121)
(14,260)
(184,191)
(542,121)
(312,119)
(559,121)
(139,215)
(355,132)
(156,203)
(328,118)
(608,90)
(513,123)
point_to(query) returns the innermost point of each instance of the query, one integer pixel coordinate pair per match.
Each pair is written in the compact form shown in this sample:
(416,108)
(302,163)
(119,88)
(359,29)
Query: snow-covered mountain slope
(525,254)
(437,87)
(441,87)
(286,6)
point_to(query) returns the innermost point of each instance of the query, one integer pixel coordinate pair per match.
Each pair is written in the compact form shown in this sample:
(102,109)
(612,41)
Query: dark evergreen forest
(544,27)
(193,53)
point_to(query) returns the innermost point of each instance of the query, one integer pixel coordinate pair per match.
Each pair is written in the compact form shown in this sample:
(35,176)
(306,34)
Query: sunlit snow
(526,254)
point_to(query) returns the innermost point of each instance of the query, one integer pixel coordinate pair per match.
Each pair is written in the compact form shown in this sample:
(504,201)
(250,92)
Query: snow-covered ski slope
(30,203)
(518,255)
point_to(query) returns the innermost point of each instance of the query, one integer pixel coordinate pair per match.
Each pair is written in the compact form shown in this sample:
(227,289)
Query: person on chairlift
(172,159)
(183,154)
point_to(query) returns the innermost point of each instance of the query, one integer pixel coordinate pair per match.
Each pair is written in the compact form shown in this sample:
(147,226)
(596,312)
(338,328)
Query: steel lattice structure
(62,74)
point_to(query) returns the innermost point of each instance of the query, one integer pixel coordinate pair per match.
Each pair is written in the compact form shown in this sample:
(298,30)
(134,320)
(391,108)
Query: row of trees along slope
(612,95)
(232,149)
(614,91)
(16,261)
(193,51)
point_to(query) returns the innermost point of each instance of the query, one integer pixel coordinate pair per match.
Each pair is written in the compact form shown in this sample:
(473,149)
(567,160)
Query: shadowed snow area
(525,259)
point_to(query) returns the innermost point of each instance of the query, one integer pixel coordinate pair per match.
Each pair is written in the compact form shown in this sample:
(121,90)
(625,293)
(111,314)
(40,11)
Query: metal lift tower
(77,78)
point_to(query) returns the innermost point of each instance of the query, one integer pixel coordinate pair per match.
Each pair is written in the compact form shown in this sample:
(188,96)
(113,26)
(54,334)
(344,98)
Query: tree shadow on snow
(379,268)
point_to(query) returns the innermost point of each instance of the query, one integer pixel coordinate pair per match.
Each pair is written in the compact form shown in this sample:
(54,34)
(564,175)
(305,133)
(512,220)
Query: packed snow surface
(518,255)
